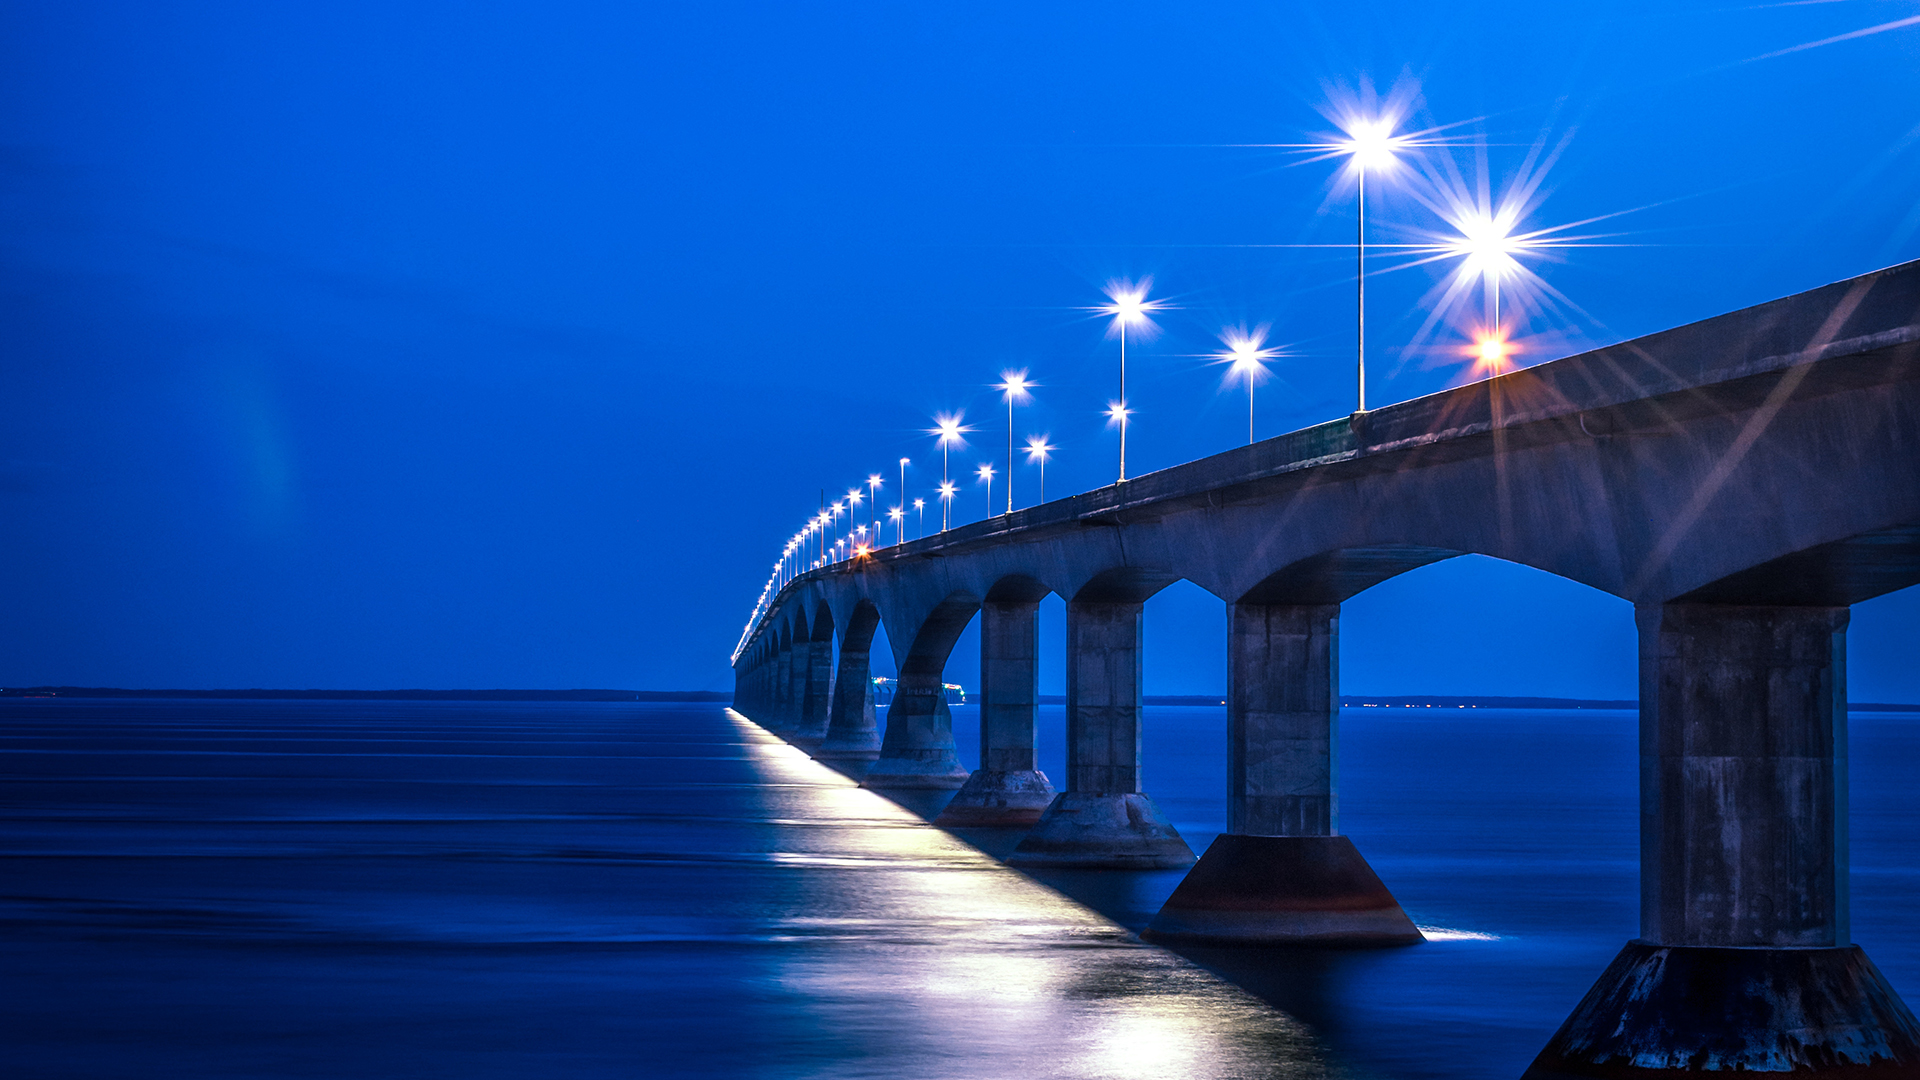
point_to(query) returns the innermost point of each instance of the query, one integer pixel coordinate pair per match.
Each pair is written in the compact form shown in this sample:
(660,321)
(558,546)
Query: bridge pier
(1006,790)
(853,733)
(815,693)
(1103,820)
(1282,874)
(1744,960)
(782,697)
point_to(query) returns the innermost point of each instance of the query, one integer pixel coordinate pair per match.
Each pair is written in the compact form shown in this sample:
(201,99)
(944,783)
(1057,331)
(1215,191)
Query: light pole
(1248,361)
(985,472)
(873,503)
(948,429)
(920,531)
(1015,385)
(946,504)
(899,517)
(1370,144)
(1129,306)
(1037,450)
(1487,248)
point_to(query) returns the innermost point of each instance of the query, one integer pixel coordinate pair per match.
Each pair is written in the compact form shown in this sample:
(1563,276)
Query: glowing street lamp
(1015,385)
(920,531)
(948,430)
(985,472)
(873,502)
(899,517)
(1037,451)
(1128,304)
(1247,361)
(1370,145)
(1117,413)
(1490,352)
(946,504)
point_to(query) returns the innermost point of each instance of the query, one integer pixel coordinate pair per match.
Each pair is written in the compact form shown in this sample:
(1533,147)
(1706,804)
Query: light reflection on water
(1008,975)
(245,889)
(233,889)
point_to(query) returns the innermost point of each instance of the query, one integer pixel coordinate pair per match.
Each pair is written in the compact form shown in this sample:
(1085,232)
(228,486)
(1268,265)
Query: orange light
(1491,351)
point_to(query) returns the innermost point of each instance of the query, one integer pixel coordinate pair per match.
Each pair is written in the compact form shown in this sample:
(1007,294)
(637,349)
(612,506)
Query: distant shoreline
(1358,701)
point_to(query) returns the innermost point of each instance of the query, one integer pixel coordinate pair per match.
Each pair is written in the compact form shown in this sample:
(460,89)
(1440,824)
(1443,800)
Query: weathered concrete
(853,734)
(1742,960)
(1006,790)
(1282,876)
(1103,819)
(817,694)
(1661,1012)
(917,750)
(1282,890)
(1283,719)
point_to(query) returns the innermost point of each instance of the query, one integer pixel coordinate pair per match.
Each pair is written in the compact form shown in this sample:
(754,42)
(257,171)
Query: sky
(503,344)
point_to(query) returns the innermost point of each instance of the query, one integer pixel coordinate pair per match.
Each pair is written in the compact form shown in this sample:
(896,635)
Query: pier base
(995,798)
(1660,1012)
(1088,831)
(1282,890)
(853,742)
(917,750)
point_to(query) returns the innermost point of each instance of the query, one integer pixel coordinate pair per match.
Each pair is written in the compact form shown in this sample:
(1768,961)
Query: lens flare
(1127,303)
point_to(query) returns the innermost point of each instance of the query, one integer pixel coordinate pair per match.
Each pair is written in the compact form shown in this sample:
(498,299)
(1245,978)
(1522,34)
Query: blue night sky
(502,344)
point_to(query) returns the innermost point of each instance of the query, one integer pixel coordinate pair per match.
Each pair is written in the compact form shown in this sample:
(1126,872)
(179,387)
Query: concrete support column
(852,733)
(799,669)
(1281,875)
(1103,819)
(782,690)
(816,696)
(1006,790)
(1743,962)
(918,749)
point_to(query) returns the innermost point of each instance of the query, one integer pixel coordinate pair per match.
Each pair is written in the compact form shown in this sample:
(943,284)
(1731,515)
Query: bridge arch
(917,748)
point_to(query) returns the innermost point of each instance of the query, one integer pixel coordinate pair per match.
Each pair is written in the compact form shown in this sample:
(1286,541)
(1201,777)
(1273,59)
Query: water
(228,889)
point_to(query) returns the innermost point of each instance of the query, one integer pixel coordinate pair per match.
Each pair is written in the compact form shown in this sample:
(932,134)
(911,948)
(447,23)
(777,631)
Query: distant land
(1357,701)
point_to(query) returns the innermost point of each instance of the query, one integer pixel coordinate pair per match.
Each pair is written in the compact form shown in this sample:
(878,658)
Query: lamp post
(1247,361)
(1128,304)
(1037,450)
(899,517)
(946,504)
(985,472)
(1015,385)
(948,430)
(920,531)
(873,503)
(1370,144)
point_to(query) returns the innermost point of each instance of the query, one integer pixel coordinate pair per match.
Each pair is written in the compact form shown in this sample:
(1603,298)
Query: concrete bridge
(1741,480)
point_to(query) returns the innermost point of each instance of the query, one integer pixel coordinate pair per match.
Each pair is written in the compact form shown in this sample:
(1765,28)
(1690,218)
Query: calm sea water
(253,889)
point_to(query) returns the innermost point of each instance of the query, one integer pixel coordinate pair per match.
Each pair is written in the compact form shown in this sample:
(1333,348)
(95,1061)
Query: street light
(1037,450)
(873,502)
(903,481)
(899,517)
(946,504)
(1370,144)
(1015,385)
(1247,361)
(949,430)
(1129,306)
(920,531)
(985,472)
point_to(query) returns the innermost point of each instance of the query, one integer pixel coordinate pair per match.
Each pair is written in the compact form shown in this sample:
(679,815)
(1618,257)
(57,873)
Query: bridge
(1742,480)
